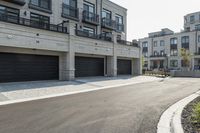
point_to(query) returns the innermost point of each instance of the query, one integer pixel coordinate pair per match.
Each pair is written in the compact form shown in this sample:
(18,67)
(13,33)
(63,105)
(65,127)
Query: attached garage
(89,66)
(124,67)
(25,67)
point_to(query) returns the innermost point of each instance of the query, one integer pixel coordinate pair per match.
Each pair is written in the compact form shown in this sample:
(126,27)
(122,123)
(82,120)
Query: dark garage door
(24,67)
(124,67)
(87,66)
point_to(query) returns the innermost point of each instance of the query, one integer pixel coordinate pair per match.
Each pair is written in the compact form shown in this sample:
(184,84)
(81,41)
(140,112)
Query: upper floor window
(192,19)
(173,52)
(9,14)
(197,27)
(46,4)
(119,19)
(185,39)
(145,44)
(71,3)
(162,43)
(145,54)
(39,21)
(173,41)
(155,43)
(89,30)
(162,52)
(89,7)
(106,14)
(155,53)
(199,38)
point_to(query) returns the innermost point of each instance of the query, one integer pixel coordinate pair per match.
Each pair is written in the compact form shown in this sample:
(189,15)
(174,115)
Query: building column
(67,60)
(112,66)
(136,66)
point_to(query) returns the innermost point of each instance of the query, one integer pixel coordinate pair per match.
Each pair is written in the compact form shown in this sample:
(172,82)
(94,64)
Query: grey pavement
(129,109)
(27,90)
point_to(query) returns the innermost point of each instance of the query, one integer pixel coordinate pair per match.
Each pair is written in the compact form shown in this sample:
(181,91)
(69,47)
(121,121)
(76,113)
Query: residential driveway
(128,109)
(38,89)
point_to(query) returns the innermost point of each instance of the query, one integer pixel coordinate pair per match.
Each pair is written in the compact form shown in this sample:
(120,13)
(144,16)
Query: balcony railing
(145,49)
(108,23)
(32,23)
(173,46)
(124,42)
(185,45)
(119,27)
(90,17)
(105,37)
(70,12)
(18,2)
(159,55)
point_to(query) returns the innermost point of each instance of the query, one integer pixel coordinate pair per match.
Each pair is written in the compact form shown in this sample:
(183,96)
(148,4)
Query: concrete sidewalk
(28,90)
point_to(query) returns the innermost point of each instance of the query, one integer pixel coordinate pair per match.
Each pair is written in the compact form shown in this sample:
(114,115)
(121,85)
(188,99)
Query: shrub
(196,113)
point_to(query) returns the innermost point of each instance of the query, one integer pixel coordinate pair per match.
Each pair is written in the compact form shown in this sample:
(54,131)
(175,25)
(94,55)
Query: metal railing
(108,23)
(69,11)
(90,17)
(104,36)
(159,55)
(124,42)
(32,23)
(18,2)
(185,45)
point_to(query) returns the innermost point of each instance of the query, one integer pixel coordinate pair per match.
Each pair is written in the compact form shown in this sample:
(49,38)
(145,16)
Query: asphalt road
(128,109)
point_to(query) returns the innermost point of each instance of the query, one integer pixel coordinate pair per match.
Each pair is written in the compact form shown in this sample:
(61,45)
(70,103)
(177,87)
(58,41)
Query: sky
(145,16)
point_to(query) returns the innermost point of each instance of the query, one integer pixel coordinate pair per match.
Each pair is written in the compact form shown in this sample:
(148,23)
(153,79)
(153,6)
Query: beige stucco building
(64,39)
(161,50)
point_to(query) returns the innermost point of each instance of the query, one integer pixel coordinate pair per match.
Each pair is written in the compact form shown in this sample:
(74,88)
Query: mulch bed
(188,126)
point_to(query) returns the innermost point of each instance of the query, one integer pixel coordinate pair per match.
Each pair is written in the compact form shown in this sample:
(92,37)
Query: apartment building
(162,49)
(64,39)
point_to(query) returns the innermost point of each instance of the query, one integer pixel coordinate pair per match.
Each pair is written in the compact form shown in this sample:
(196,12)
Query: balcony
(119,27)
(70,12)
(159,55)
(108,23)
(33,24)
(145,49)
(123,42)
(18,2)
(105,37)
(46,9)
(173,46)
(91,18)
(185,45)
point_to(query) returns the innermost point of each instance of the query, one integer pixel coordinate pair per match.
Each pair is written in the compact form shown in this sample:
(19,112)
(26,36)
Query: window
(144,44)
(145,54)
(173,63)
(46,4)
(192,19)
(185,42)
(88,30)
(197,27)
(199,38)
(155,43)
(39,21)
(9,14)
(119,23)
(155,53)
(145,63)
(106,14)
(70,8)
(174,52)
(72,3)
(173,41)
(119,37)
(89,8)
(162,52)
(162,43)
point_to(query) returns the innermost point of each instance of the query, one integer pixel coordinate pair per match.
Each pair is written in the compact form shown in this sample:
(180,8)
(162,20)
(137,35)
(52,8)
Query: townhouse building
(162,49)
(64,39)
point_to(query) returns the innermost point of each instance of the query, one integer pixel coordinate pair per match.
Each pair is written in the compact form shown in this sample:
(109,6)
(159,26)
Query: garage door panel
(87,66)
(124,67)
(24,67)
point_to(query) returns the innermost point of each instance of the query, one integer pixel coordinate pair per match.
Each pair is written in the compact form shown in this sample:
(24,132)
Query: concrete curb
(65,94)
(170,121)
